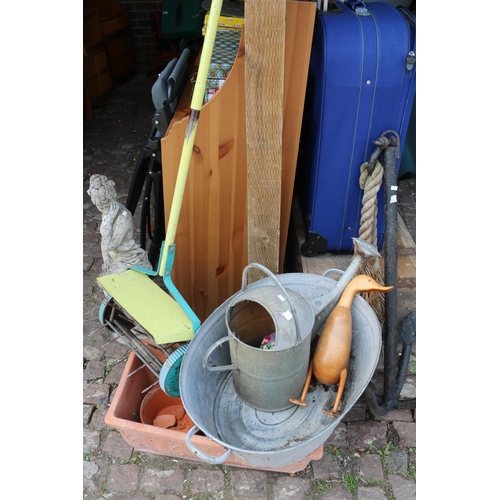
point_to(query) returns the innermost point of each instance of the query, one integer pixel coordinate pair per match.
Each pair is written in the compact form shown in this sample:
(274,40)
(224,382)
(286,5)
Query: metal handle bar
(206,458)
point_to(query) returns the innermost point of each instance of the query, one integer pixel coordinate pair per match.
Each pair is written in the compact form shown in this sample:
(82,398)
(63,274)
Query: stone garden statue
(118,247)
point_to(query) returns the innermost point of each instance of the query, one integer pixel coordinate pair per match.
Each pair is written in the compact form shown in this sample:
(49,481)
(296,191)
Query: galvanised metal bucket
(273,439)
(266,379)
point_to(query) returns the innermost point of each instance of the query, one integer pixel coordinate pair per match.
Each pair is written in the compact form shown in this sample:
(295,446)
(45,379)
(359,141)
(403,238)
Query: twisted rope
(368,231)
(371,185)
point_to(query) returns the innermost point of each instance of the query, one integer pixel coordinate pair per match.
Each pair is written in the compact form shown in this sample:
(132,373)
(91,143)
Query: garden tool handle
(212,368)
(206,458)
(279,285)
(192,125)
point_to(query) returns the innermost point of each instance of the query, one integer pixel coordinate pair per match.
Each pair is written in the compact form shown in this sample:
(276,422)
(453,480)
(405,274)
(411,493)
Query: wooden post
(264,84)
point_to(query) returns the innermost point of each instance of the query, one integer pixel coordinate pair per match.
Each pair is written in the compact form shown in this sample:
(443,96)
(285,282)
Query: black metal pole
(393,378)
(391,271)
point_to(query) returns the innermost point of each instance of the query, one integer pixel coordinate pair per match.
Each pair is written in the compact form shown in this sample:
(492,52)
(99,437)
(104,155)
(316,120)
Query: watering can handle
(206,458)
(212,368)
(278,284)
(333,270)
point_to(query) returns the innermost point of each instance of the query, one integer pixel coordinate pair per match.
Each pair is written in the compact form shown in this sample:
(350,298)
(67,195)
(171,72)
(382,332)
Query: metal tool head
(365,249)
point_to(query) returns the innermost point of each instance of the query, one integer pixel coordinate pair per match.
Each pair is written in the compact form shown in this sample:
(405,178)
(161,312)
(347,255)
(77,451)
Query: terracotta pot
(157,404)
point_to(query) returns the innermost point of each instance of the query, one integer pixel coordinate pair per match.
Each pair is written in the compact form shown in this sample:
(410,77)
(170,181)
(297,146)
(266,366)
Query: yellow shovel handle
(187,148)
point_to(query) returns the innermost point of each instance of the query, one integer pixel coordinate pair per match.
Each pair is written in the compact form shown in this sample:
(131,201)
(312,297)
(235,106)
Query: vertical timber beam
(264,84)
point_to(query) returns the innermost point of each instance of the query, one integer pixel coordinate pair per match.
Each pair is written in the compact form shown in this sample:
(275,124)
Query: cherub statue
(119,249)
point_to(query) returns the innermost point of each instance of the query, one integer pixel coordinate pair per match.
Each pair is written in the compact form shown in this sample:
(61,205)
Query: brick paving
(365,458)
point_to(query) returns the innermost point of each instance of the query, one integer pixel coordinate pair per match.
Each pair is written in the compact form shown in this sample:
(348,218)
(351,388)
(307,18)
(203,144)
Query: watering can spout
(362,250)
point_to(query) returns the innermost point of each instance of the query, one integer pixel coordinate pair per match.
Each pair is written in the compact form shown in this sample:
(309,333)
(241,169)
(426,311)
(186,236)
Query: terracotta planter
(161,410)
(124,415)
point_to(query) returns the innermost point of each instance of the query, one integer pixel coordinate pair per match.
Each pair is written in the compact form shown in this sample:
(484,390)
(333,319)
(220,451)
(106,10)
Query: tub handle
(277,282)
(206,458)
(212,368)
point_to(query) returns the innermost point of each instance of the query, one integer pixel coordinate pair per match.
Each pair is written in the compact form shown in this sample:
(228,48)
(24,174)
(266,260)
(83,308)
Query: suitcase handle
(410,18)
(358,7)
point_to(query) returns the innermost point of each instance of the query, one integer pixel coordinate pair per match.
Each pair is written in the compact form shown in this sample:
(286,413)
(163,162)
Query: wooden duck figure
(330,361)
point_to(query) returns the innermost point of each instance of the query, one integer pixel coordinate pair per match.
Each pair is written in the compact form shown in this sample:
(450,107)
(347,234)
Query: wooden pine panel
(212,235)
(300,18)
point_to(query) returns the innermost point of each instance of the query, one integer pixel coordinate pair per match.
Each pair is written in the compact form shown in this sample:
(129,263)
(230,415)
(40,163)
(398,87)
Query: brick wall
(141,13)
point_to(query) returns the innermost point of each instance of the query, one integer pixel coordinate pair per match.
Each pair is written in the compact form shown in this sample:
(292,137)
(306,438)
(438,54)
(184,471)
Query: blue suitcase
(361,83)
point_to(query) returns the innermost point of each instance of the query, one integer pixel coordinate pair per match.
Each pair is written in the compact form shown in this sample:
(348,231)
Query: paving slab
(399,416)
(123,478)
(116,372)
(91,352)
(248,484)
(403,488)
(90,469)
(95,394)
(94,370)
(364,435)
(91,440)
(130,496)
(336,491)
(338,438)
(117,447)
(87,412)
(169,480)
(397,462)
(327,468)
(357,413)
(407,432)
(372,493)
(371,468)
(409,389)
(205,481)
(287,487)
(97,418)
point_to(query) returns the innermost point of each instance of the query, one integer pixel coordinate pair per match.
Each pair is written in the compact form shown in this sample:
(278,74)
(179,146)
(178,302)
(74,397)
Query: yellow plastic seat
(149,305)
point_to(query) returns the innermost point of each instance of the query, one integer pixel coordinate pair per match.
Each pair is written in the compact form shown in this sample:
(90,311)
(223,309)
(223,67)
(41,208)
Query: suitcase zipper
(410,18)
(410,60)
